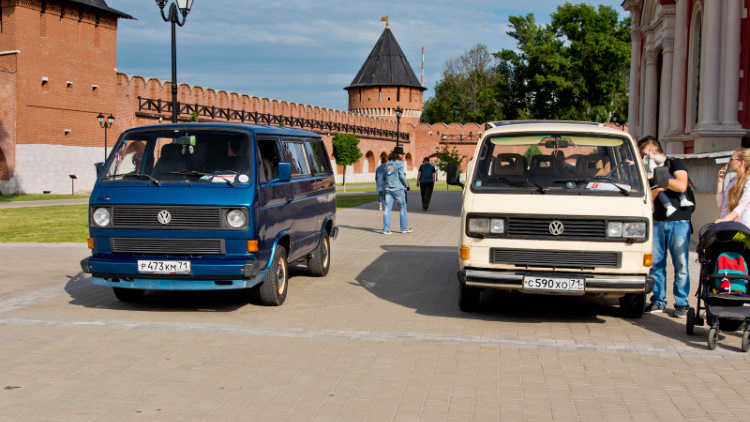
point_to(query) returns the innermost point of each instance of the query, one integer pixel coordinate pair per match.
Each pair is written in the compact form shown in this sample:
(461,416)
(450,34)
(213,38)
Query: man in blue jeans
(394,183)
(671,235)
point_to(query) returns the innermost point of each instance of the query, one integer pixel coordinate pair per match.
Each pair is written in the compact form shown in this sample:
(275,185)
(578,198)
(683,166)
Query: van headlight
(236,219)
(485,225)
(101,217)
(626,229)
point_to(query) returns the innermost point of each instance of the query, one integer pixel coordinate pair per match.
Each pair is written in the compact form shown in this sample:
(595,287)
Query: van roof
(249,127)
(490,125)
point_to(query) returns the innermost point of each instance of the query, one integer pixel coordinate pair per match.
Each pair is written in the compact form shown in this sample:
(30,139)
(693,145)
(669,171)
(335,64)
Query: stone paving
(379,339)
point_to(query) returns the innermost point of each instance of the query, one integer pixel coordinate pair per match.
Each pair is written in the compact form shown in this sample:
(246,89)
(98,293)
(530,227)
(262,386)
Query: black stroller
(723,250)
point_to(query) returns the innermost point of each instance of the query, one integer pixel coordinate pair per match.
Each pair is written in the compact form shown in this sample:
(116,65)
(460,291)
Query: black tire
(632,305)
(273,290)
(713,338)
(745,341)
(320,261)
(690,322)
(128,295)
(468,298)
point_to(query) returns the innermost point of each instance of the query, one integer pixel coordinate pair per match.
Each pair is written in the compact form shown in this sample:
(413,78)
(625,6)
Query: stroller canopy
(728,231)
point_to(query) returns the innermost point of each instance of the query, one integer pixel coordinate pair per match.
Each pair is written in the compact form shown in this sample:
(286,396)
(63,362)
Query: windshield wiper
(201,174)
(134,176)
(589,179)
(538,186)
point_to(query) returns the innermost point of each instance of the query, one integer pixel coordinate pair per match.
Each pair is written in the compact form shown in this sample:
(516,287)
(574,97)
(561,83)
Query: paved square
(379,339)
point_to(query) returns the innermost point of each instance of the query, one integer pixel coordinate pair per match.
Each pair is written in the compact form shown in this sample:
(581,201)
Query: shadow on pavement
(424,278)
(442,203)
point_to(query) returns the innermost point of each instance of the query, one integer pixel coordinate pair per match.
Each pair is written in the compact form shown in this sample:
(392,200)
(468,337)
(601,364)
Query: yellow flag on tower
(385,19)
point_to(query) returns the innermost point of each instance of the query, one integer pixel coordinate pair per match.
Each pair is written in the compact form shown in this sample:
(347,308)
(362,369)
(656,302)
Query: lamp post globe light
(106,125)
(398,111)
(173,17)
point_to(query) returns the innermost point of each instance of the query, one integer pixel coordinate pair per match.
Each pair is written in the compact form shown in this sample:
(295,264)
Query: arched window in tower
(398,93)
(380,94)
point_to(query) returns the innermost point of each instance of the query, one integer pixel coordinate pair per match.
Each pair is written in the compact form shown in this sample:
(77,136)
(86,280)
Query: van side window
(269,159)
(316,152)
(295,154)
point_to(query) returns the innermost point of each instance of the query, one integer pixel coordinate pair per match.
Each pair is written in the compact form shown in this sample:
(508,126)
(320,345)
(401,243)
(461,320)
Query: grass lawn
(37,197)
(69,223)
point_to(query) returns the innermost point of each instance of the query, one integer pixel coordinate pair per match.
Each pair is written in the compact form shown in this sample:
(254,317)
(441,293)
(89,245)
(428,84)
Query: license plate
(163,267)
(553,284)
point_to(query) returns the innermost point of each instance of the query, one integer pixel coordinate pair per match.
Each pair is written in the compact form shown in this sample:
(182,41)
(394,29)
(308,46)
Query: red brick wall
(380,101)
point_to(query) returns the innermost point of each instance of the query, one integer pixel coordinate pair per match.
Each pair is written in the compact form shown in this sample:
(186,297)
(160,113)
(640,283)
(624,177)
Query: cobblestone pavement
(379,339)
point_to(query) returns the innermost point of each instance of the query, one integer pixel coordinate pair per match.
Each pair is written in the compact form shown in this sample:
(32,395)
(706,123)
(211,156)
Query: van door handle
(288,199)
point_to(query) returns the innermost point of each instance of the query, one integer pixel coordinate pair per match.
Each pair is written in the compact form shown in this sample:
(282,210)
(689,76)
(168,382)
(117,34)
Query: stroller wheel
(745,341)
(713,338)
(690,322)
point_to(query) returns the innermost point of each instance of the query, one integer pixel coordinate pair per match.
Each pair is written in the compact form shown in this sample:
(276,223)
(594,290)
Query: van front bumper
(593,283)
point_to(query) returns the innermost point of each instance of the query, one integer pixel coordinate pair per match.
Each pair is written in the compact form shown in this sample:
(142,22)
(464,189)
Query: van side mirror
(99,167)
(661,177)
(284,172)
(453,175)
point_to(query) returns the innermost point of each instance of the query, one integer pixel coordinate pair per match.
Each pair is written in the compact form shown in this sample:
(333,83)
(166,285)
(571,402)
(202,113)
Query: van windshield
(182,156)
(558,163)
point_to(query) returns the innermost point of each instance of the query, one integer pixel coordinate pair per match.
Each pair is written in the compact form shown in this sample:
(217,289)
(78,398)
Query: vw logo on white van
(556,228)
(165,217)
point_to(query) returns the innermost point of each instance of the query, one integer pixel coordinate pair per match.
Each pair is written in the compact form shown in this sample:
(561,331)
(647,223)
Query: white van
(556,208)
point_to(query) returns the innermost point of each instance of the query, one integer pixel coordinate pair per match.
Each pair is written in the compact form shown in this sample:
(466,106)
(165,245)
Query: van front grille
(536,227)
(555,259)
(181,217)
(152,246)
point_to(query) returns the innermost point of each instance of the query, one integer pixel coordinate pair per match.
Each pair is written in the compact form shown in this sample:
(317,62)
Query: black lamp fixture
(173,17)
(399,112)
(613,120)
(106,125)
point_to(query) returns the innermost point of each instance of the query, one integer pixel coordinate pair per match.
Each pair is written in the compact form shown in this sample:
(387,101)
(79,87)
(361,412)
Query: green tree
(193,117)
(448,156)
(467,91)
(345,150)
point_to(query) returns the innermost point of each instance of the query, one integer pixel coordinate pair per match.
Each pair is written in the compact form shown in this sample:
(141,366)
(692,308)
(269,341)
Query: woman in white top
(734,201)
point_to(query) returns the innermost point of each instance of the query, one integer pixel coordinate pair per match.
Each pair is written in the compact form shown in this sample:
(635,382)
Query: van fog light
(236,219)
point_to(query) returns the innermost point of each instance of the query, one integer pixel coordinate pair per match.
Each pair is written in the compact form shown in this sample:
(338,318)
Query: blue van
(211,206)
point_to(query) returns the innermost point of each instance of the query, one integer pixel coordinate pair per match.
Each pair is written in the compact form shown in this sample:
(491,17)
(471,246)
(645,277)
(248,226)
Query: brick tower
(386,81)
(57,73)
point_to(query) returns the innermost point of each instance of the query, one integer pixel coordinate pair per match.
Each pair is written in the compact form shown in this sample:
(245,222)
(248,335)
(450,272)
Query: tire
(632,305)
(128,295)
(690,322)
(320,261)
(273,290)
(468,298)
(713,338)
(745,341)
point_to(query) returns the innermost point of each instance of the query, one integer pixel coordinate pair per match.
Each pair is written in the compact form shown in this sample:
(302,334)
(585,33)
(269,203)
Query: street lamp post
(174,18)
(399,111)
(106,125)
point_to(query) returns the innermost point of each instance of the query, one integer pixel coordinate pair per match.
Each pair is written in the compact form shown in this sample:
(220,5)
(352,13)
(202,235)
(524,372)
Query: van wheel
(632,305)
(128,295)
(273,289)
(320,261)
(468,298)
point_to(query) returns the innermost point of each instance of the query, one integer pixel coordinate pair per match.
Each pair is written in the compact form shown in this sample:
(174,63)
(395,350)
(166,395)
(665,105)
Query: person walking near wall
(671,235)
(426,181)
(734,201)
(395,185)
(379,188)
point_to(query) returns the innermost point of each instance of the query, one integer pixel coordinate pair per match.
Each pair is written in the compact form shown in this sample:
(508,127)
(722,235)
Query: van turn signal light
(252,246)
(464,252)
(648,259)
(90,242)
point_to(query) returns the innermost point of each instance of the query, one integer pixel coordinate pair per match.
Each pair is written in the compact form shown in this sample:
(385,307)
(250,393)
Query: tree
(345,150)
(467,91)
(448,156)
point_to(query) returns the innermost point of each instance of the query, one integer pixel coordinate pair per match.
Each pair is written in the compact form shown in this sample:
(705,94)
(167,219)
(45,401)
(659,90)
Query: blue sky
(307,51)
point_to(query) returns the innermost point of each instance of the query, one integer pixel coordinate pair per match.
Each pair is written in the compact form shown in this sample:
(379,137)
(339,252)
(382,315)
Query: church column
(650,94)
(665,96)
(679,71)
(731,63)
(710,67)
(635,66)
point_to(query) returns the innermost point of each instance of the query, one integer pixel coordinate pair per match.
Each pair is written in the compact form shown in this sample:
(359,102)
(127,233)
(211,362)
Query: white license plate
(163,267)
(553,284)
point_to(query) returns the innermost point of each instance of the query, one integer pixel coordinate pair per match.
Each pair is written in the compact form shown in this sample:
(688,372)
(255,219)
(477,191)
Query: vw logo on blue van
(556,228)
(165,217)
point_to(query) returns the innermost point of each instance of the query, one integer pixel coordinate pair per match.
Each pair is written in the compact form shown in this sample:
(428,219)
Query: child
(652,159)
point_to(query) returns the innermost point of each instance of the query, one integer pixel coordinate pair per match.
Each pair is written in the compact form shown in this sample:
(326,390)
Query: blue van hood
(176,195)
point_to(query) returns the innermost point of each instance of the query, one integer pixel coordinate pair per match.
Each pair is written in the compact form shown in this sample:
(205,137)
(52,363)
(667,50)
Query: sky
(306,51)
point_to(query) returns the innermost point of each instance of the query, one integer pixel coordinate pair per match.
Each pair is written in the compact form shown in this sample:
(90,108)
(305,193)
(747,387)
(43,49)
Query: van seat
(592,165)
(542,164)
(170,160)
(508,164)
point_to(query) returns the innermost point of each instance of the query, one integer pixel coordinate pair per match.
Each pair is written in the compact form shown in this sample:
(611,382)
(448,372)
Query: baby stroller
(723,252)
